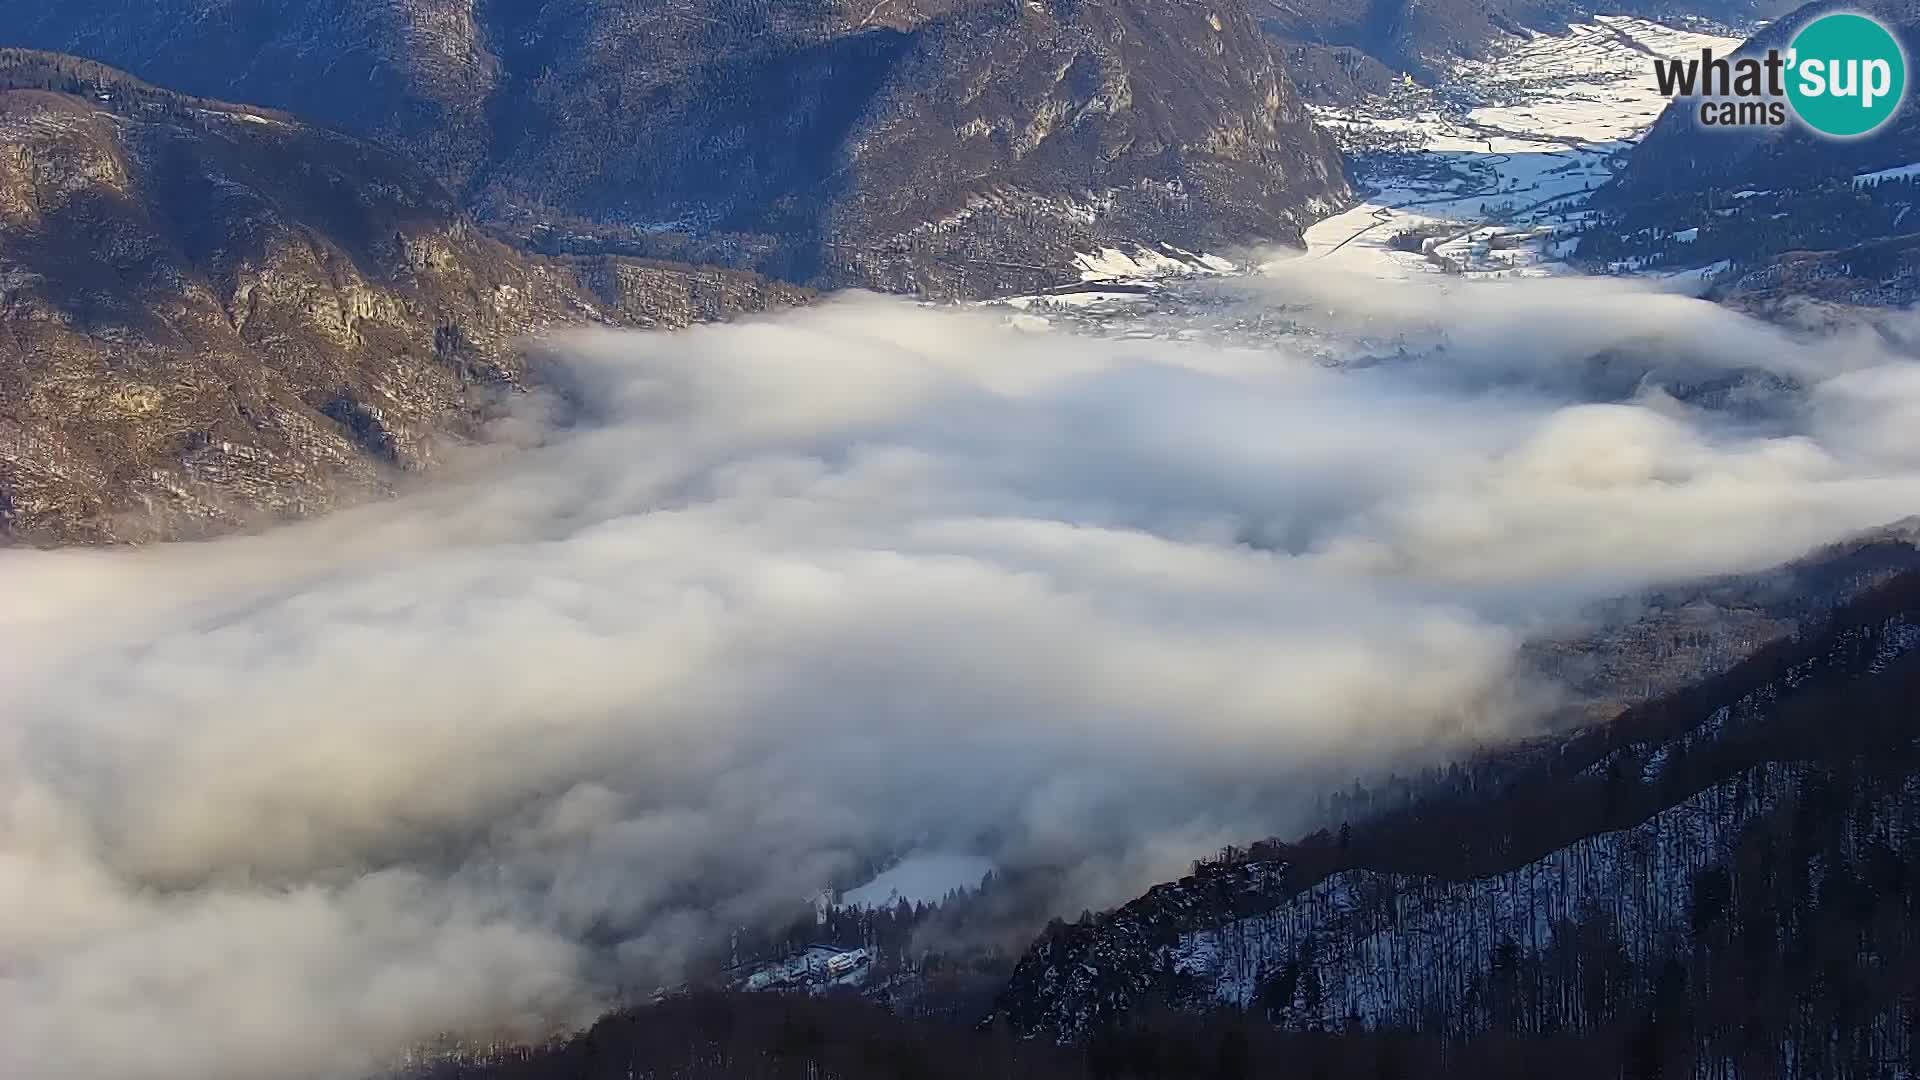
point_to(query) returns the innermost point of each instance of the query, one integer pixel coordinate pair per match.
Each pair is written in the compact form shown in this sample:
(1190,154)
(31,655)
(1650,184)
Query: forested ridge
(1721,882)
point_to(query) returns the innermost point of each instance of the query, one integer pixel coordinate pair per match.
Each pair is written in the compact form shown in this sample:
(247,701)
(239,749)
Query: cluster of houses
(816,968)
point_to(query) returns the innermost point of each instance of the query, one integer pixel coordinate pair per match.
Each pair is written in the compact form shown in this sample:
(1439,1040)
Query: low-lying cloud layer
(756,601)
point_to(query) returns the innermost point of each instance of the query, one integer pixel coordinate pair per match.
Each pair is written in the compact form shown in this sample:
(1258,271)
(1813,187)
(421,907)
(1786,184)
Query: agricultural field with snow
(1485,173)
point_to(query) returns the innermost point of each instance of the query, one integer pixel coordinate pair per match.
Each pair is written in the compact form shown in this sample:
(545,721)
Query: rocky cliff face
(213,314)
(961,148)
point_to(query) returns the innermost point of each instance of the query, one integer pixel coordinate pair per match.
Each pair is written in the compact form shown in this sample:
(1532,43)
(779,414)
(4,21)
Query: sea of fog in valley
(721,615)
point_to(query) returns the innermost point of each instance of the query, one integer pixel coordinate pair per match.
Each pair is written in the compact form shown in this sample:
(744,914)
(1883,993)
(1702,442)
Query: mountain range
(956,149)
(278,253)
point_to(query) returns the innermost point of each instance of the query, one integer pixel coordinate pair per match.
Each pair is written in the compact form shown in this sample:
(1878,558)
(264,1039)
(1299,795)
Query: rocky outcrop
(212,314)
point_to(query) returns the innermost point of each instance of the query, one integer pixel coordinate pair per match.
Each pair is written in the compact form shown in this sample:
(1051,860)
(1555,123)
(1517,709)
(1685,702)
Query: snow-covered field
(1491,167)
(921,879)
(1113,264)
(1384,947)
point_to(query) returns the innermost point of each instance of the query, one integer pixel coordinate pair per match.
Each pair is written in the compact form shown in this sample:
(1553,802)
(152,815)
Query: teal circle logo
(1848,75)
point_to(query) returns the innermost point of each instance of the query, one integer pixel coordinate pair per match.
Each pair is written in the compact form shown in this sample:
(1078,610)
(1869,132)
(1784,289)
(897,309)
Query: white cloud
(868,577)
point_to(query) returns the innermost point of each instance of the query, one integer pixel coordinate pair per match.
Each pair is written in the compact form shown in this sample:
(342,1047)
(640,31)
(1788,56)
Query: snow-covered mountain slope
(1395,949)
(1491,895)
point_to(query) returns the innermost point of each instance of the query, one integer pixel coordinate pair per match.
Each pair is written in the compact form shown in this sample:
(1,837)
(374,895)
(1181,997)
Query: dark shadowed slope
(1677,157)
(1340,50)
(1781,210)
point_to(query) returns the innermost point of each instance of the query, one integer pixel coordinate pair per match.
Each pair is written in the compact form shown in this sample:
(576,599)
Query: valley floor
(1485,174)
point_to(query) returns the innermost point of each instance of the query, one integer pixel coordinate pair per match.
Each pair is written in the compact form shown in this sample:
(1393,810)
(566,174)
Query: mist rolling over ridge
(727,610)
